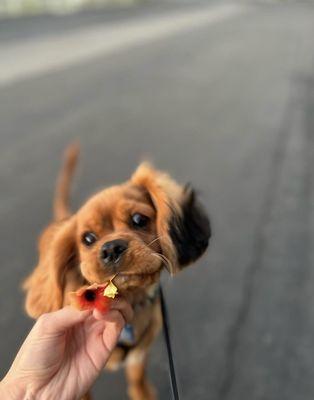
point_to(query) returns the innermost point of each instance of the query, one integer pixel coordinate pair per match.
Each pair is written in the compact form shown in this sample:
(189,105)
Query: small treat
(94,296)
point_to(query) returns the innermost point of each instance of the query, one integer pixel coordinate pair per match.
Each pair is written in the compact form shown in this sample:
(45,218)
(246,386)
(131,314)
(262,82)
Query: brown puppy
(133,230)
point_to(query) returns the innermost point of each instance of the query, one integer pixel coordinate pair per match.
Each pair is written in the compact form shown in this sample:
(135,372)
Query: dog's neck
(142,297)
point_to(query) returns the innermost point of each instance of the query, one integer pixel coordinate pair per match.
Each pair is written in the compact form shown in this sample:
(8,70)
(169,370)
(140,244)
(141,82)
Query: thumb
(61,320)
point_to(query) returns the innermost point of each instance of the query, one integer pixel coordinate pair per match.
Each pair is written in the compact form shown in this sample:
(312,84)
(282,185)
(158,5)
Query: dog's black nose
(111,252)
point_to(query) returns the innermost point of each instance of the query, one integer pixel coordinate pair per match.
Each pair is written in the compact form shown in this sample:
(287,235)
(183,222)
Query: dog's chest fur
(143,302)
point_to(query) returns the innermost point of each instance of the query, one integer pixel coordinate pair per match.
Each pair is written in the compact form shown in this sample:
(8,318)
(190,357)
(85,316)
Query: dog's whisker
(155,240)
(168,263)
(165,260)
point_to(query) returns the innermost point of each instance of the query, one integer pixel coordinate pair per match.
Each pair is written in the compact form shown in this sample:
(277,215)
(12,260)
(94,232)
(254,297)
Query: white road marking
(28,59)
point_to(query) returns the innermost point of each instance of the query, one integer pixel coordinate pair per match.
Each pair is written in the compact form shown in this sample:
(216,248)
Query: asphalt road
(227,105)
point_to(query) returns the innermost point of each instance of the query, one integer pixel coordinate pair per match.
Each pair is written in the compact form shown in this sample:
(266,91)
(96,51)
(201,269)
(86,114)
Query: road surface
(218,94)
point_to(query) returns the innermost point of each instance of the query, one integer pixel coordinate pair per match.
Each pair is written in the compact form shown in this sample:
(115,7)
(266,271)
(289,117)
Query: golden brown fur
(65,263)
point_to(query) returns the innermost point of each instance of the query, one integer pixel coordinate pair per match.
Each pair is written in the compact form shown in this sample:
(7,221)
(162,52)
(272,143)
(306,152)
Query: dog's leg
(139,388)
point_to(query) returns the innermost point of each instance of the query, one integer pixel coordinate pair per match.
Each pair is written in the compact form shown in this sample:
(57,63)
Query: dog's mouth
(132,280)
(124,276)
(126,280)
(133,273)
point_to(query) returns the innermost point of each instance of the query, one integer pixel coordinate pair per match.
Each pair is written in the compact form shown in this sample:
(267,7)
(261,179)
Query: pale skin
(64,353)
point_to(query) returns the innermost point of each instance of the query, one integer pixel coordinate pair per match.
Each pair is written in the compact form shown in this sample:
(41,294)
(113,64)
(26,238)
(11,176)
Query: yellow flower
(111,290)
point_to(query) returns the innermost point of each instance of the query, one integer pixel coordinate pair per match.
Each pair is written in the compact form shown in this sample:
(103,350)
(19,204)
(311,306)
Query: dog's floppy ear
(182,224)
(57,253)
(189,228)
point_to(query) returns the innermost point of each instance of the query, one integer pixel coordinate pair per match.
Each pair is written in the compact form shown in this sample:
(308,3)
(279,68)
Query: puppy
(131,231)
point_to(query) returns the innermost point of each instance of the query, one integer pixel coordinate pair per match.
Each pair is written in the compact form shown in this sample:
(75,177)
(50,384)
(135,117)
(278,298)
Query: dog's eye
(89,238)
(139,220)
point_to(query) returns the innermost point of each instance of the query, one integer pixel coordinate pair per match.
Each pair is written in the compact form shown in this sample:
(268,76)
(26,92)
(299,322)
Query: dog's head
(132,231)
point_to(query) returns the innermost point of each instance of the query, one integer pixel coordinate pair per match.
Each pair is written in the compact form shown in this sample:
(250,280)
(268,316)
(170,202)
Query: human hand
(64,353)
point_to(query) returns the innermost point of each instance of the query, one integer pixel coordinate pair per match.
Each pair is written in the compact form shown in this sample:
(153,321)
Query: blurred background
(220,94)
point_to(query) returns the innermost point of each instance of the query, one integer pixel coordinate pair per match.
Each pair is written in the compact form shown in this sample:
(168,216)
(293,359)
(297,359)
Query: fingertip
(116,317)
(98,315)
(124,307)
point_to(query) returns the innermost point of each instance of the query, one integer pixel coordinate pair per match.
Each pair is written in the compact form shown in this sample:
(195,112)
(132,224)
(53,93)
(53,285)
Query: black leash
(166,328)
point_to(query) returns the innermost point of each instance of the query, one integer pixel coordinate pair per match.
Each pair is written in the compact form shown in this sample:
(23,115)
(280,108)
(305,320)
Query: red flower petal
(91,297)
